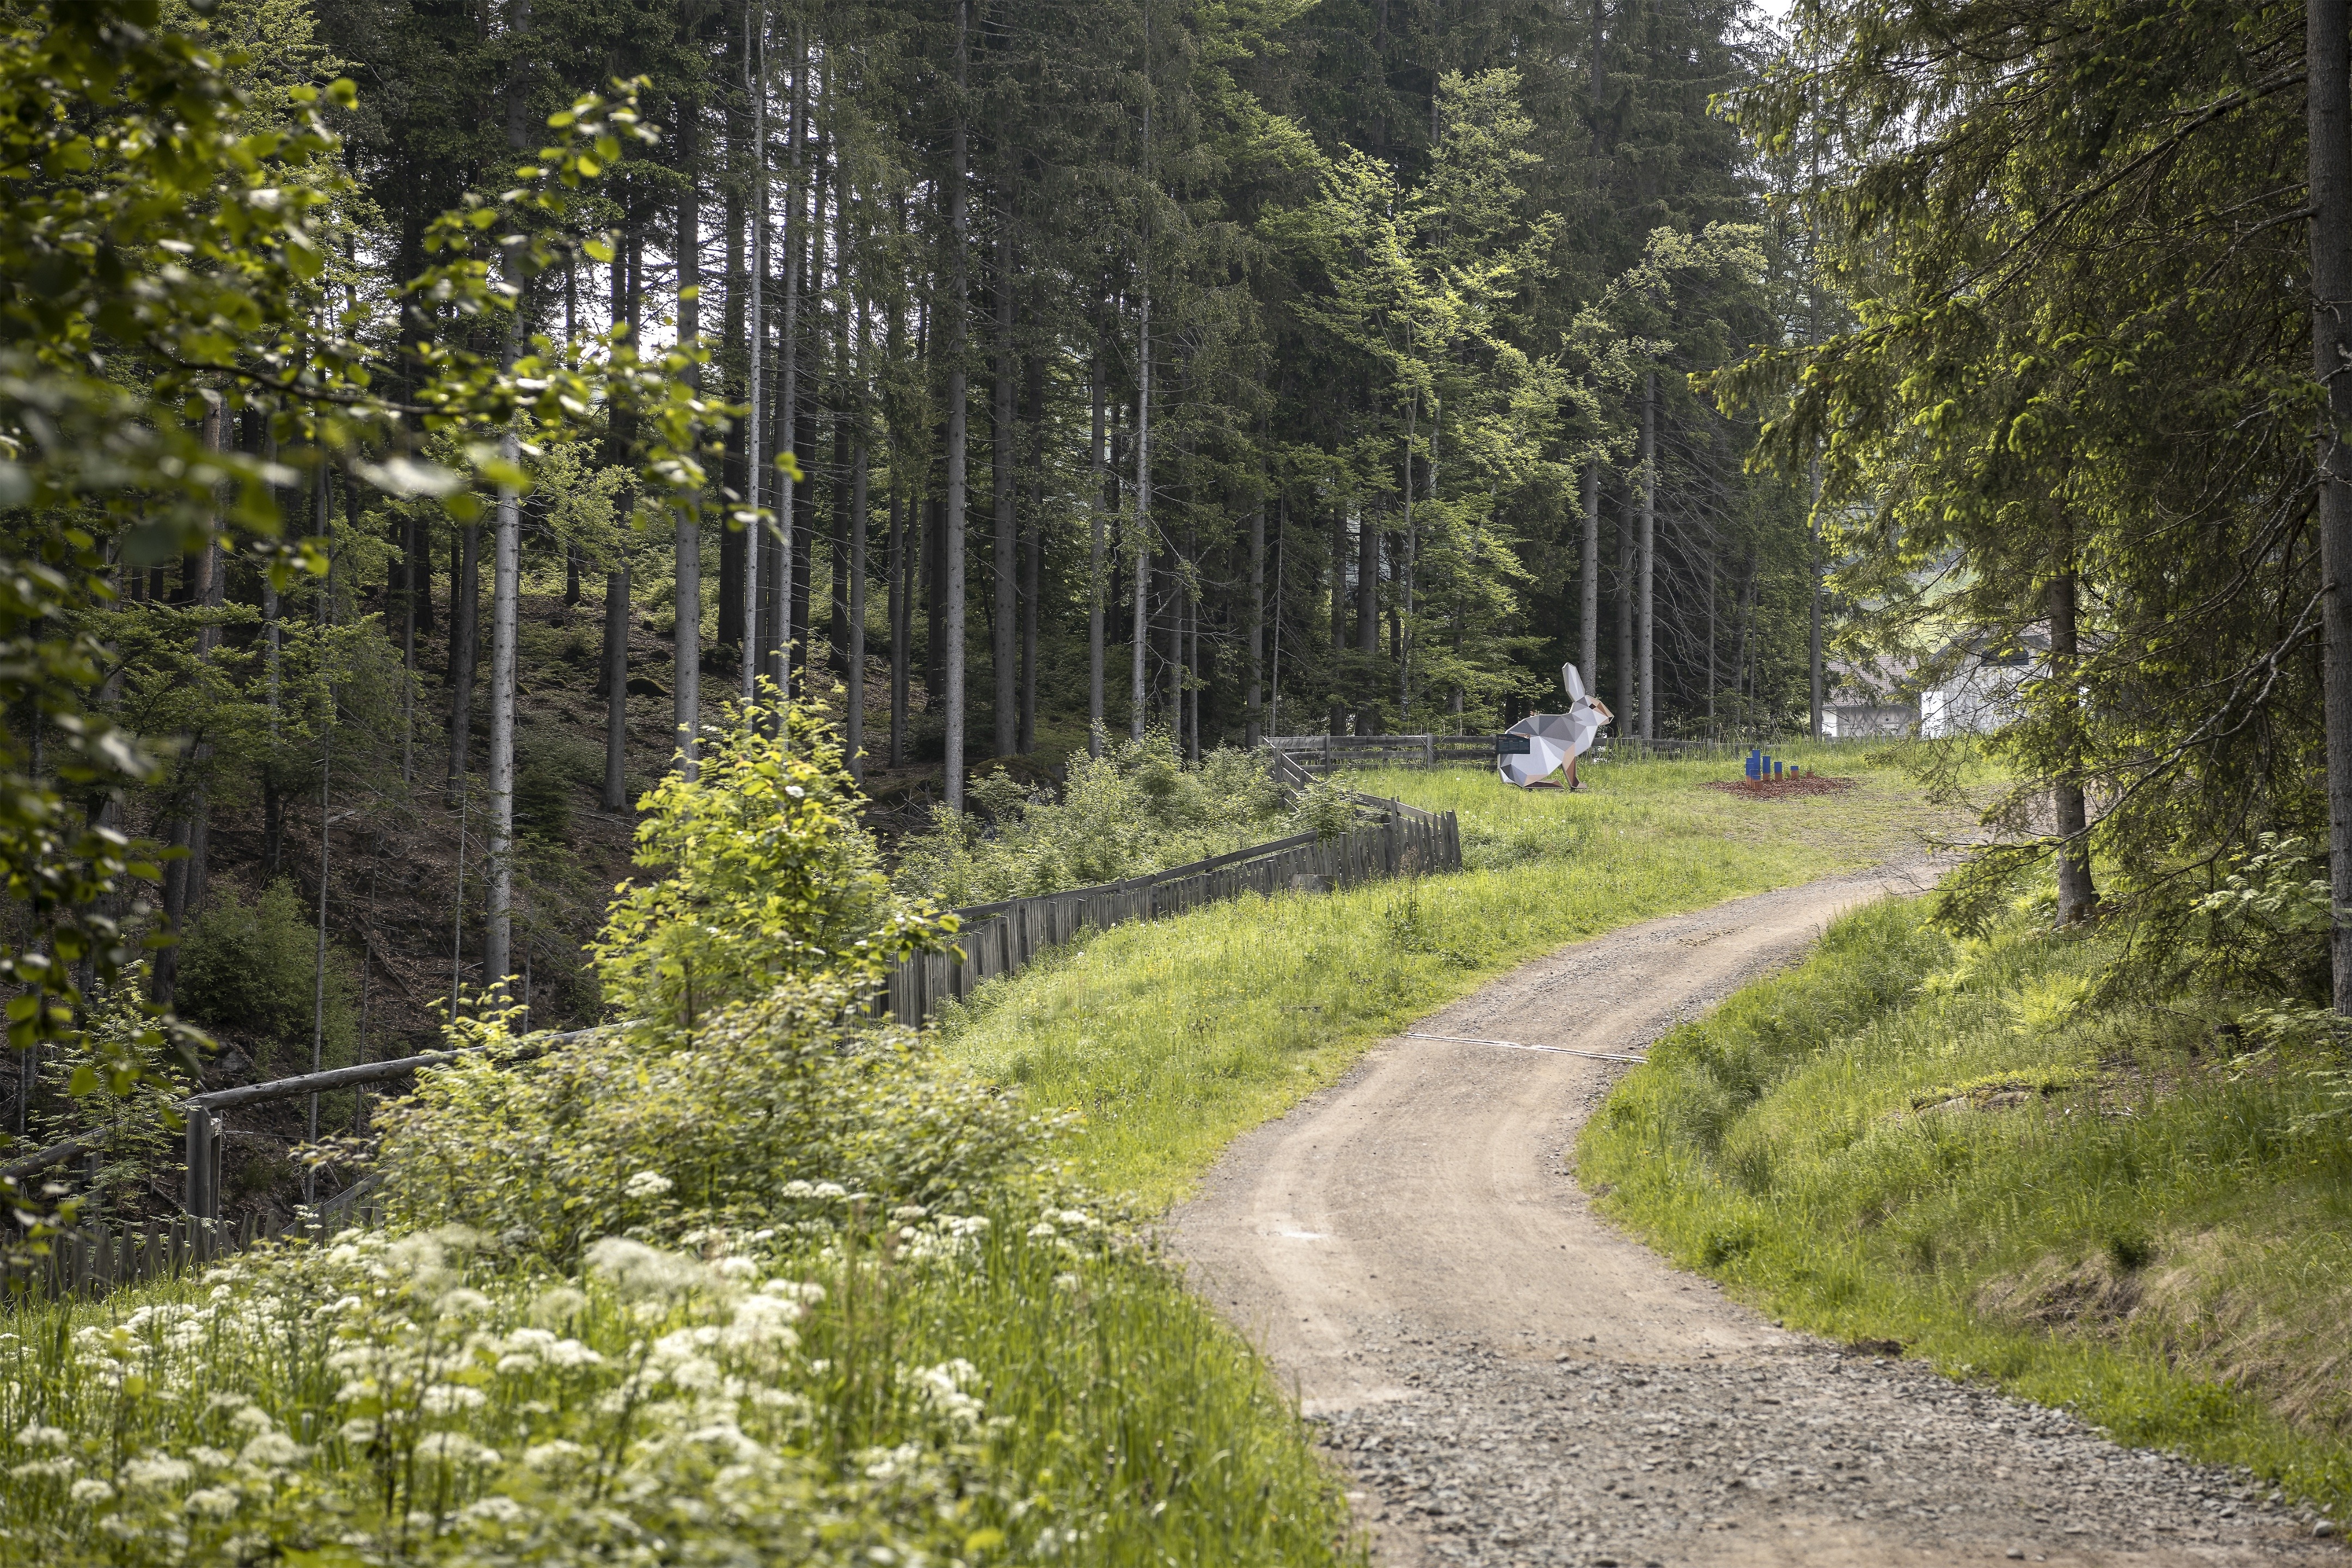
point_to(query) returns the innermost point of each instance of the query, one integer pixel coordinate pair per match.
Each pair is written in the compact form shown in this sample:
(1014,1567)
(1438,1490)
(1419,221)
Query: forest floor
(1508,1379)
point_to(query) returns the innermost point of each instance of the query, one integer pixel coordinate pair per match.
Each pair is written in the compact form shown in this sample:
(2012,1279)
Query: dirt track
(1510,1380)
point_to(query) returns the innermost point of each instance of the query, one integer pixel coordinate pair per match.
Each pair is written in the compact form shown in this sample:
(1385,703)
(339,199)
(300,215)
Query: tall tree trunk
(412,591)
(902,619)
(1628,707)
(959,244)
(1338,617)
(688,692)
(788,430)
(465,621)
(505,586)
(2077,895)
(1143,420)
(1252,694)
(2329,111)
(1098,454)
(1003,460)
(1033,544)
(616,688)
(1588,585)
(853,722)
(1649,622)
(746,615)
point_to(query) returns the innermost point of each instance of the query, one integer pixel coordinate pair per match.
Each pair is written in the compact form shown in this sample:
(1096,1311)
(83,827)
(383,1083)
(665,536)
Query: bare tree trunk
(1338,613)
(1098,453)
(854,722)
(902,620)
(1143,419)
(616,689)
(2329,109)
(1588,585)
(465,620)
(505,586)
(1004,461)
(1813,572)
(1253,695)
(1649,632)
(787,402)
(1628,701)
(413,560)
(755,85)
(687,691)
(959,244)
(2078,897)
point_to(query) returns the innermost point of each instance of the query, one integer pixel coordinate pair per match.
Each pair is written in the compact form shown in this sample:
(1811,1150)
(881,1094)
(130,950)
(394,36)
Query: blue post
(1775,768)
(1755,755)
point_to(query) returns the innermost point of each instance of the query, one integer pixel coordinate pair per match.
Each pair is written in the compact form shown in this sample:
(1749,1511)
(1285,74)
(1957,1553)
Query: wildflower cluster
(428,1398)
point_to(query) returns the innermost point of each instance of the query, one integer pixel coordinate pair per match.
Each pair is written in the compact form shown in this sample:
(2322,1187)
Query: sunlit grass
(1910,1140)
(1174,1037)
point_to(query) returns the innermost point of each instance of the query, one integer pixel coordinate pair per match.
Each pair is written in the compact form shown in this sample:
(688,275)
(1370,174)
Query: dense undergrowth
(752,1279)
(1171,1037)
(1960,1145)
(1136,809)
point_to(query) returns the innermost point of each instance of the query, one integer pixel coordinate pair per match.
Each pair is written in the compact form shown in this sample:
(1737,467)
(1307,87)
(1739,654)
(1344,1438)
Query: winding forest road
(1510,1380)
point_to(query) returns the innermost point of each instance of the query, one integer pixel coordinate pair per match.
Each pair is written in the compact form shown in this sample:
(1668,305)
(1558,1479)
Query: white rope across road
(1515,1045)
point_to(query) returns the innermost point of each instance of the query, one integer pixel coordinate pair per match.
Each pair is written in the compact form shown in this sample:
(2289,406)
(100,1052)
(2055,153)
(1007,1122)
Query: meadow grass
(1935,1142)
(1173,1037)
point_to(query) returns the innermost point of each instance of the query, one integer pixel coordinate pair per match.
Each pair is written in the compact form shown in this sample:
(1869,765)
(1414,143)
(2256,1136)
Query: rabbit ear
(1574,682)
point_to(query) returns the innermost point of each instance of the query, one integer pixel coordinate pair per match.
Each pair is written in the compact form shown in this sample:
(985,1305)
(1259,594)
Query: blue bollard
(1755,762)
(1775,768)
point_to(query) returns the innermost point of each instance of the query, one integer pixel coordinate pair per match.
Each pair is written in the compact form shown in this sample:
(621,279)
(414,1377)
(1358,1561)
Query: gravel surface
(1510,1380)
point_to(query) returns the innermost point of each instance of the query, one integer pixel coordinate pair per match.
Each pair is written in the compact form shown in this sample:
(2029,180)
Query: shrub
(765,876)
(1135,808)
(247,965)
(777,1100)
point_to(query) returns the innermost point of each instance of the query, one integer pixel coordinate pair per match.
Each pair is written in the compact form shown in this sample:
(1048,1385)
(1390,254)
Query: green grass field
(1917,1140)
(1174,1037)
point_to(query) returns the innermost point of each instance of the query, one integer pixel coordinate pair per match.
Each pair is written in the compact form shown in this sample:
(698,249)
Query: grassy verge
(1174,1037)
(1915,1140)
(991,1398)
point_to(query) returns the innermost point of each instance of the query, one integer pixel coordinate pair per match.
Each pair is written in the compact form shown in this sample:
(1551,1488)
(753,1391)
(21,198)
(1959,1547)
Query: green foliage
(1135,808)
(247,966)
(764,876)
(986,1387)
(134,1116)
(2080,355)
(1957,1145)
(776,1096)
(1172,1036)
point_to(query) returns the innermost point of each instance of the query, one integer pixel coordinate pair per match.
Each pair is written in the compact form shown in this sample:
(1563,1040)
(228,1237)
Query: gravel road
(1510,1380)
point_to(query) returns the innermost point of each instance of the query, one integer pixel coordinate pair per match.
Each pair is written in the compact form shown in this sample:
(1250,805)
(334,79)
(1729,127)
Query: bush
(765,876)
(1135,808)
(247,966)
(777,1100)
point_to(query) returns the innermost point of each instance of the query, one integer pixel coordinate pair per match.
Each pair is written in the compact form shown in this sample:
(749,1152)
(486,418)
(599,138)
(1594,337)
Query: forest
(1001,380)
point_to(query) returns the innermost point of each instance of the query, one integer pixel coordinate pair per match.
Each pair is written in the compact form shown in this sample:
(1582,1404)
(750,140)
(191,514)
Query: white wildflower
(33,1435)
(884,1464)
(494,1510)
(797,1190)
(157,1470)
(1066,1281)
(909,1211)
(90,1489)
(807,1293)
(737,1268)
(1040,1231)
(637,1269)
(569,1353)
(461,1302)
(456,1447)
(270,1448)
(55,1470)
(645,1184)
(829,1190)
(358,1432)
(442,1398)
(213,1502)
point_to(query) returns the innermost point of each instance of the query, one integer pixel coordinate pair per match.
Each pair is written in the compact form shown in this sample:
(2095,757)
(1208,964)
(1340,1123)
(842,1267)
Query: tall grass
(1172,1038)
(1934,1142)
(948,1389)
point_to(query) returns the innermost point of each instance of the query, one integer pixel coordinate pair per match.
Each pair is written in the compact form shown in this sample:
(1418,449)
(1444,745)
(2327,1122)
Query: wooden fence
(1001,938)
